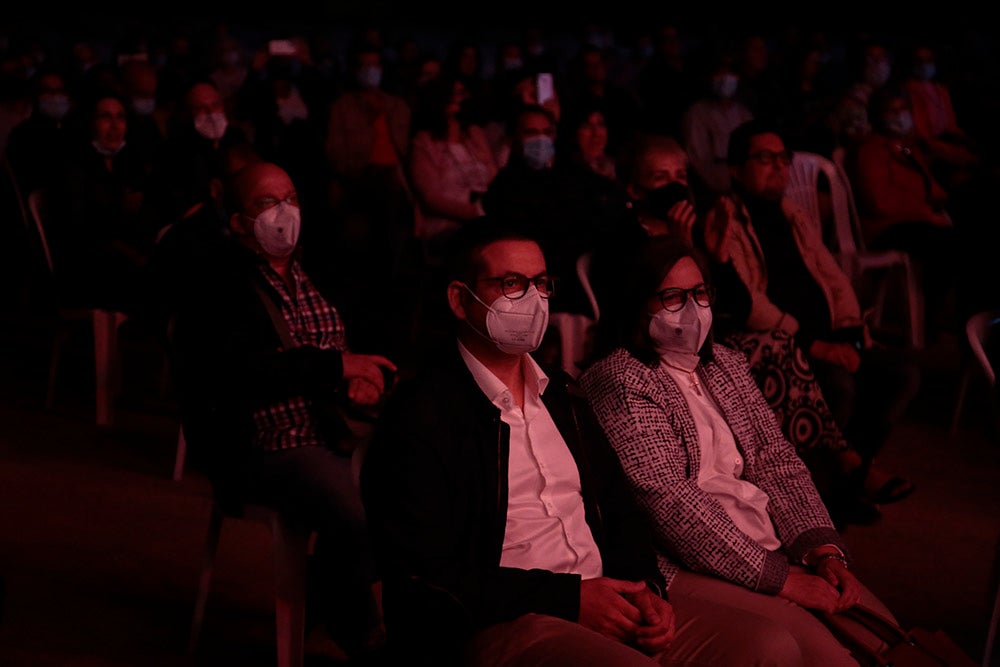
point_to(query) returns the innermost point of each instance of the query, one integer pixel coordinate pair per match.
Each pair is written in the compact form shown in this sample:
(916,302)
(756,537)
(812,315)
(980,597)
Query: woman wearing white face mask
(738,520)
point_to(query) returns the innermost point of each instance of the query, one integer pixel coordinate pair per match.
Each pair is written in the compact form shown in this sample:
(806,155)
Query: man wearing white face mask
(545,192)
(41,141)
(501,525)
(262,361)
(367,149)
(740,527)
(197,136)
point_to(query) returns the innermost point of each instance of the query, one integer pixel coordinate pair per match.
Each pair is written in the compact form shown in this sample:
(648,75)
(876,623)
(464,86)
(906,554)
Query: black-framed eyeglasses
(674,298)
(769,158)
(515,285)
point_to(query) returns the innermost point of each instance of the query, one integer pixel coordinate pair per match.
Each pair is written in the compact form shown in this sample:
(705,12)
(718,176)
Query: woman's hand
(810,591)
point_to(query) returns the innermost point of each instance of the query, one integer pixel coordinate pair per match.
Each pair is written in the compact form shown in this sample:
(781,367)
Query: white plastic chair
(977,328)
(105,325)
(290,546)
(573,328)
(583,273)
(847,242)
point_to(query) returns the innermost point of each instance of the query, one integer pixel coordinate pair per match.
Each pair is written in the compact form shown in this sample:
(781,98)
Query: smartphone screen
(545,89)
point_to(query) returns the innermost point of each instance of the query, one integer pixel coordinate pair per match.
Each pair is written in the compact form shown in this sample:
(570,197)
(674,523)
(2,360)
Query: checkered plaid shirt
(311,321)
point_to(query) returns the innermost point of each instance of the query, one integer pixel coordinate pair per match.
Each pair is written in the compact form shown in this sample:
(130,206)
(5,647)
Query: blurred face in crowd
(765,171)
(109,125)
(204,99)
(592,135)
(661,166)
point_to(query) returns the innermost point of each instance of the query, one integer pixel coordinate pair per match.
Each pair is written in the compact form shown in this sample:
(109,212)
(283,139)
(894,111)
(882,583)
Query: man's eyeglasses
(268,202)
(674,298)
(515,285)
(769,158)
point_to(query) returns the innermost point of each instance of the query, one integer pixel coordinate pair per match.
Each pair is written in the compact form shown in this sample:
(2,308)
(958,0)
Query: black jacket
(434,484)
(227,361)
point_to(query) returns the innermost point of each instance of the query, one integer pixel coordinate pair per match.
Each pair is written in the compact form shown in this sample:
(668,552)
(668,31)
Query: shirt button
(737,461)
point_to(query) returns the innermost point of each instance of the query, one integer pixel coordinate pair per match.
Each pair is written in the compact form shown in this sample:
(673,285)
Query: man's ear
(235,225)
(456,298)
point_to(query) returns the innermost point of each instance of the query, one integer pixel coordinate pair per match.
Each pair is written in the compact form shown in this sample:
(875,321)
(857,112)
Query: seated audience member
(99,239)
(284,100)
(504,529)
(661,203)
(668,84)
(588,83)
(954,154)
(584,131)
(739,526)
(514,90)
(706,124)
(186,248)
(38,145)
(368,132)
(901,204)
(260,362)
(451,164)
(796,286)
(147,117)
(198,129)
(542,190)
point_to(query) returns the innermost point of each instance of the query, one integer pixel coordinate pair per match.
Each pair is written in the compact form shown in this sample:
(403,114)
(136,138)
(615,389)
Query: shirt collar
(535,379)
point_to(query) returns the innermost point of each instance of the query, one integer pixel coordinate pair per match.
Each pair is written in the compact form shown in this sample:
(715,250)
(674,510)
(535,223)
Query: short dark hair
(642,264)
(738,150)
(462,258)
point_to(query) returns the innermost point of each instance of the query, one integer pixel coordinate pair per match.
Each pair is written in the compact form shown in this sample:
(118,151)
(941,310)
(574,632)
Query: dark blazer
(434,484)
(228,361)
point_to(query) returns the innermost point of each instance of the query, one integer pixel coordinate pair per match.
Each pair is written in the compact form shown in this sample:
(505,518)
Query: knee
(773,645)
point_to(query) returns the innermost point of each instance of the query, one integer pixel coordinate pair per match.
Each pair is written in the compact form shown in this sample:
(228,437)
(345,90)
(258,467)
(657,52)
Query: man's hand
(811,591)
(837,574)
(842,354)
(658,622)
(717,231)
(680,220)
(363,373)
(606,608)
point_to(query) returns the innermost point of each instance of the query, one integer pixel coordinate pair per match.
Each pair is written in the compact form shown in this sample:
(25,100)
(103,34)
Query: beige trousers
(719,624)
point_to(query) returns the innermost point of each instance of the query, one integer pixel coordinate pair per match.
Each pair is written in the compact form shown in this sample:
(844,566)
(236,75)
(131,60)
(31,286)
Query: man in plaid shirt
(261,358)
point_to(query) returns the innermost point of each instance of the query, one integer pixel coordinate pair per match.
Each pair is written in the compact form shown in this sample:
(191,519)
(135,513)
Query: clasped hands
(365,378)
(627,611)
(832,588)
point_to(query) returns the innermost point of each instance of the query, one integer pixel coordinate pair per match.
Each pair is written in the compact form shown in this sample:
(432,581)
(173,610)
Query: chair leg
(54,358)
(915,308)
(205,578)
(291,548)
(105,367)
(991,630)
(180,455)
(963,388)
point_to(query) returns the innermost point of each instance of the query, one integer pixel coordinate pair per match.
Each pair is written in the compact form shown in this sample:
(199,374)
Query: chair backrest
(36,207)
(977,329)
(16,191)
(803,188)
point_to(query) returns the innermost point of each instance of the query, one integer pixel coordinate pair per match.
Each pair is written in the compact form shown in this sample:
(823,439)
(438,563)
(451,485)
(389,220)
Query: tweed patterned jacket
(648,422)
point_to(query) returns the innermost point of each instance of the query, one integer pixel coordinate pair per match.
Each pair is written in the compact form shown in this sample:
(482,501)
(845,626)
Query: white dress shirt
(721,471)
(546,523)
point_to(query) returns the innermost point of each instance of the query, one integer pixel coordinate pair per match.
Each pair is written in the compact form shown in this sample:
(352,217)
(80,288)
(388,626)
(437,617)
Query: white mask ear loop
(517,325)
